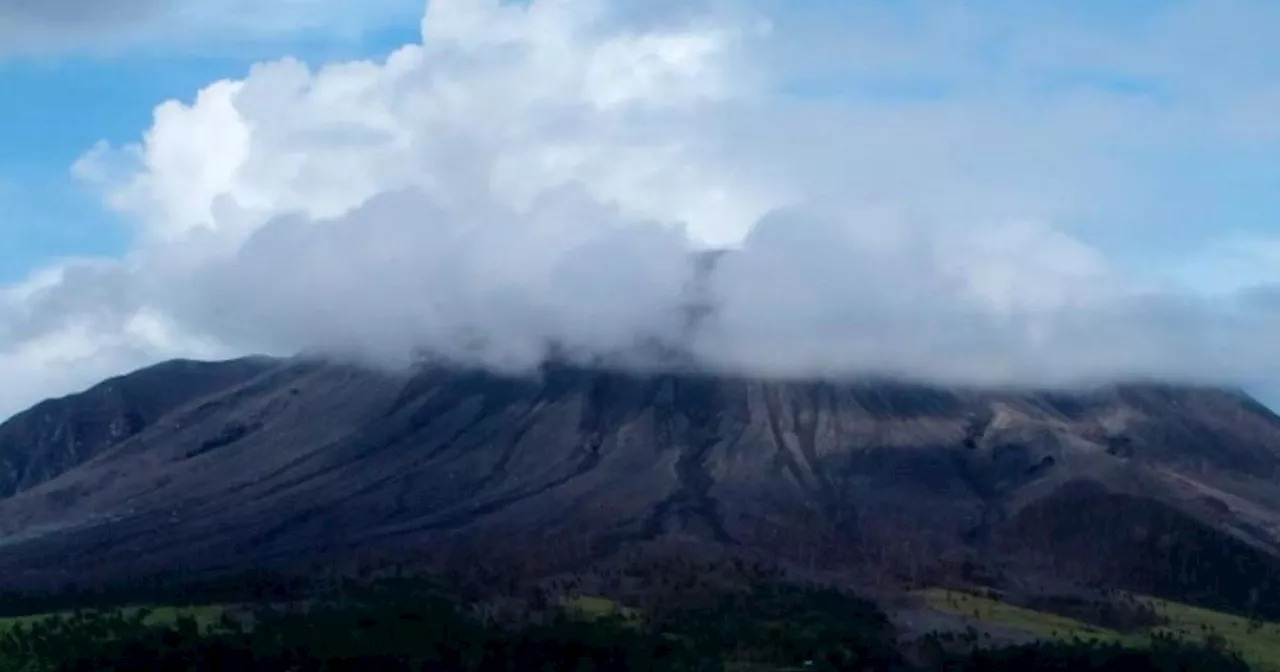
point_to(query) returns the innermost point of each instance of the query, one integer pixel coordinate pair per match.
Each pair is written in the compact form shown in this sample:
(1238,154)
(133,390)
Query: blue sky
(47,125)
(59,103)
(1054,191)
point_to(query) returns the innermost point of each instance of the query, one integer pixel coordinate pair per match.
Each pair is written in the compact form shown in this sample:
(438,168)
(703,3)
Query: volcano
(204,467)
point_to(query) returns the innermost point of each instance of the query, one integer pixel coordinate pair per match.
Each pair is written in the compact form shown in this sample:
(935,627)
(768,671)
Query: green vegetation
(204,616)
(596,607)
(399,623)
(167,590)
(1162,655)
(1038,623)
(1257,642)
(783,626)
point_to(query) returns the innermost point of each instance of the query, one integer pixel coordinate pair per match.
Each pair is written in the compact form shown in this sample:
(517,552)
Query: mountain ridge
(75,427)
(269,462)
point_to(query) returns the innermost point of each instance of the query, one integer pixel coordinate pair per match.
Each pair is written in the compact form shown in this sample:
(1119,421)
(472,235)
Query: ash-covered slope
(290,461)
(59,434)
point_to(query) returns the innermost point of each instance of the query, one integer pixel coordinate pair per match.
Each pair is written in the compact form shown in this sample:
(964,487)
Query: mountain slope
(298,460)
(59,434)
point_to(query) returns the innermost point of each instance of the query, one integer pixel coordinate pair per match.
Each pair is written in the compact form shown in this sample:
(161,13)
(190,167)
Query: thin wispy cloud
(52,28)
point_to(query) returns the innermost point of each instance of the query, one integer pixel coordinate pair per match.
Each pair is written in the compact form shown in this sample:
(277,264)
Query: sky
(998,193)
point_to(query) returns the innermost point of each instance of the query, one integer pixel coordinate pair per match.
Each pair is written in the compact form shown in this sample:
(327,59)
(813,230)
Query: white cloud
(542,171)
(73,325)
(534,101)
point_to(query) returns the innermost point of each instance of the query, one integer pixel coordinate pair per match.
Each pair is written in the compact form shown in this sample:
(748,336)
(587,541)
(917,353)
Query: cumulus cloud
(543,172)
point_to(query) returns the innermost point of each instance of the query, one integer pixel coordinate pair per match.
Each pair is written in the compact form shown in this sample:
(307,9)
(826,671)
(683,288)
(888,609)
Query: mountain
(258,462)
(59,434)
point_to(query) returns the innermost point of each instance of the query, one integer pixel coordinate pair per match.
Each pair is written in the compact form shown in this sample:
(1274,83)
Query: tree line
(422,623)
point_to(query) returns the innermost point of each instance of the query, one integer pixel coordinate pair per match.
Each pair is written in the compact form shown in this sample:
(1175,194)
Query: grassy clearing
(1258,644)
(593,607)
(1038,623)
(204,616)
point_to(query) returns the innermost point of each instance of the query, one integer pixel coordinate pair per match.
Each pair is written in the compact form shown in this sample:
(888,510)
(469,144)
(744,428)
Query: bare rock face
(207,466)
(60,434)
